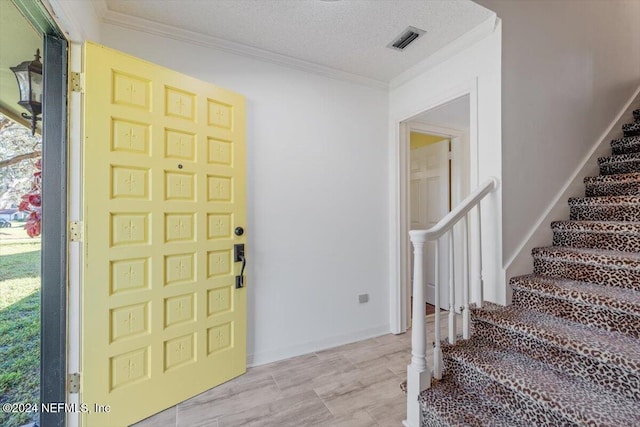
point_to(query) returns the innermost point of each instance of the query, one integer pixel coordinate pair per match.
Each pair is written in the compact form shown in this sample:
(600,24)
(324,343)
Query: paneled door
(429,201)
(164,190)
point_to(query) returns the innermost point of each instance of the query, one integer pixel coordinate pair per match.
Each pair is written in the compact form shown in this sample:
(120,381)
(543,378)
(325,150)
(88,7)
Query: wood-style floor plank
(352,385)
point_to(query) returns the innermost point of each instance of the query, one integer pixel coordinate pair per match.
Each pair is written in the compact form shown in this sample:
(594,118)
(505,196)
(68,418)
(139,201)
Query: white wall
(474,70)
(317,194)
(568,69)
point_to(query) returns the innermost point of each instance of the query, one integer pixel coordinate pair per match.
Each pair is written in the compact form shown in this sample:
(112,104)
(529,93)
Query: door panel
(164,188)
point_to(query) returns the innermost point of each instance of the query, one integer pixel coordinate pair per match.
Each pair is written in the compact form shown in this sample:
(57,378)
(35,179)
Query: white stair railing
(418,372)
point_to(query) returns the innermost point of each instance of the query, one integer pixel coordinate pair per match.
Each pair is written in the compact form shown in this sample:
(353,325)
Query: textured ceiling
(347,35)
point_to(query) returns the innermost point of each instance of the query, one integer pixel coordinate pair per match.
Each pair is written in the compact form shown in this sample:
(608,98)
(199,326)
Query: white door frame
(464,173)
(75,257)
(458,187)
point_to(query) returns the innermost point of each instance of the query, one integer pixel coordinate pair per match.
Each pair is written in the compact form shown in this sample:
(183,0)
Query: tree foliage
(31,203)
(19,153)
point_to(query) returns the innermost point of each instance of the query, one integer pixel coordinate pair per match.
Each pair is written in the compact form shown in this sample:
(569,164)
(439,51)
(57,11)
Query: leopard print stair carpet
(605,208)
(608,359)
(607,235)
(567,351)
(536,392)
(613,185)
(620,163)
(609,308)
(630,144)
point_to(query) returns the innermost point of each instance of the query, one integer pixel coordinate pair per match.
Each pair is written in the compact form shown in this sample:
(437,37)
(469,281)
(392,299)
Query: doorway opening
(20,213)
(33,190)
(436,143)
(20,249)
(429,201)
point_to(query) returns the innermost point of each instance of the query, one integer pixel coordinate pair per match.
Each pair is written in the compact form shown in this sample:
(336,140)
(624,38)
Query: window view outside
(19,269)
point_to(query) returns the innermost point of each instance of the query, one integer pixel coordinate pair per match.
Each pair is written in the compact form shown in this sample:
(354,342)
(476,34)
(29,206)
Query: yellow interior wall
(418,140)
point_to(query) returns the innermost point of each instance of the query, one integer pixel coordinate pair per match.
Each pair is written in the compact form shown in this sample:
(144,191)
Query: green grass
(19,323)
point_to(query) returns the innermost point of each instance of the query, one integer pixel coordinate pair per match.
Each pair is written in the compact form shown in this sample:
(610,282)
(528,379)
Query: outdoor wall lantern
(29,76)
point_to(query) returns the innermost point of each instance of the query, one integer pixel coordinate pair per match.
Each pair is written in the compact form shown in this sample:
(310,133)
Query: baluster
(452,292)
(418,373)
(465,290)
(480,279)
(437,351)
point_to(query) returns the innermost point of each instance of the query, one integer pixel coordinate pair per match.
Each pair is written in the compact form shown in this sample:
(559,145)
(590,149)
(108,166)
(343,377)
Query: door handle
(238,256)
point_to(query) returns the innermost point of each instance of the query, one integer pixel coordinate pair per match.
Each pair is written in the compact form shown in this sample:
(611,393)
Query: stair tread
(597,226)
(574,398)
(609,346)
(605,200)
(616,178)
(446,399)
(619,158)
(627,260)
(611,297)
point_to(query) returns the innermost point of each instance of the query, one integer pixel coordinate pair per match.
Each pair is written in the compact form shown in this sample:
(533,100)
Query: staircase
(567,351)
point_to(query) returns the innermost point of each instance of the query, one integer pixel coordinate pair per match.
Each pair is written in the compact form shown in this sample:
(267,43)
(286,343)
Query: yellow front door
(164,190)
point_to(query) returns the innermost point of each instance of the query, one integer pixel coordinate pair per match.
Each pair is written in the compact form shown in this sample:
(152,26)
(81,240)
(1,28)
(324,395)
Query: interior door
(429,203)
(164,189)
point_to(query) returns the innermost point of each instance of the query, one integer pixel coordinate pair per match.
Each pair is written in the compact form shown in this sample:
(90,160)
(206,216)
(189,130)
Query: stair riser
(441,407)
(609,376)
(586,314)
(516,404)
(600,274)
(430,419)
(605,213)
(620,167)
(625,145)
(613,189)
(607,241)
(634,132)
(625,149)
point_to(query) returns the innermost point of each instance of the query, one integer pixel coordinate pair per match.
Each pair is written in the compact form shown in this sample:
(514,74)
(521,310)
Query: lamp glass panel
(36,87)
(23,83)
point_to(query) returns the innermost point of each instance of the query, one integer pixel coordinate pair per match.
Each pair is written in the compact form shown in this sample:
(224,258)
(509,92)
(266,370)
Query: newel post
(418,373)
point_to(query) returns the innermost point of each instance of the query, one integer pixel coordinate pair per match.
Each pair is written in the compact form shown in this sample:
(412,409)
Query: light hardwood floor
(349,386)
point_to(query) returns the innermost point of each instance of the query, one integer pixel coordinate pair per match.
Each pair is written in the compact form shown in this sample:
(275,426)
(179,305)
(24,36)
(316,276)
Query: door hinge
(75,231)
(450,155)
(75,81)
(74,383)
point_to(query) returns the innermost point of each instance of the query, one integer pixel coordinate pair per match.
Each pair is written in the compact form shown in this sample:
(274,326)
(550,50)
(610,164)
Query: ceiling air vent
(407,37)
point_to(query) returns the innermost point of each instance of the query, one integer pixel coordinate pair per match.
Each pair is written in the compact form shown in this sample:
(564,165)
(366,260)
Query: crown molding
(195,38)
(479,32)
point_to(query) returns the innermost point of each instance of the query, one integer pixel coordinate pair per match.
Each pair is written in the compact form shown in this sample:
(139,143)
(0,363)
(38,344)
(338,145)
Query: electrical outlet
(363,298)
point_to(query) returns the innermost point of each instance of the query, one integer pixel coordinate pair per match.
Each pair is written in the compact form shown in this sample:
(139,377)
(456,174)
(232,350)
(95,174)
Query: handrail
(419,374)
(450,219)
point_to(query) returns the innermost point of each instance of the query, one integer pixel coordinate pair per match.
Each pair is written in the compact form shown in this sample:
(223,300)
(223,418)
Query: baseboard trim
(265,357)
(540,234)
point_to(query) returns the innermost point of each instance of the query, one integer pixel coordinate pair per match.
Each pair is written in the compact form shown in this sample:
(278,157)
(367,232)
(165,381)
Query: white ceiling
(348,35)
(452,115)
